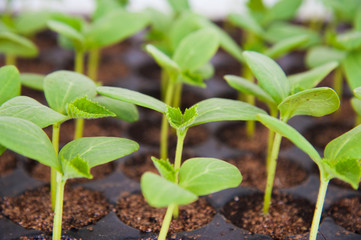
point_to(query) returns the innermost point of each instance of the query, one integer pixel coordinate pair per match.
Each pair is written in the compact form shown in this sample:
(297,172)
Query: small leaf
(289,132)
(191,78)
(286,45)
(84,108)
(182,26)
(357,92)
(349,40)
(321,55)
(218,109)
(312,102)
(162,59)
(179,5)
(352,69)
(271,77)
(98,150)
(165,168)
(311,78)
(27,139)
(69,32)
(28,23)
(356,105)
(348,170)
(63,87)
(76,168)
(283,10)
(9,83)
(179,120)
(13,44)
(134,97)
(247,22)
(160,192)
(124,111)
(31,110)
(32,80)
(248,87)
(203,176)
(196,49)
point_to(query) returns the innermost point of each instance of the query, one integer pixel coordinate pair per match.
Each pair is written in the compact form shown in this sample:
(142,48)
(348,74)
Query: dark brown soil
(347,213)
(253,169)
(33,209)
(134,211)
(111,70)
(150,70)
(42,172)
(287,216)
(148,132)
(235,135)
(7,163)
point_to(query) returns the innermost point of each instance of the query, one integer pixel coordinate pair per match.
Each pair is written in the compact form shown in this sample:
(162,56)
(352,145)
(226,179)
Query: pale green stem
(319,206)
(93,65)
(165,124)
(58,216)
(164,84)
(271,134)
(79,67)
(250,125)
(178,162)
(166,222)
(177,95)
(337,81)
(79,126)
(10,59)
(271,173)
(53,172)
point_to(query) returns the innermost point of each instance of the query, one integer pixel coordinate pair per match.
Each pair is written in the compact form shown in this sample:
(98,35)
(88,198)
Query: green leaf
(69,32)
(321,55)
(179,120)
(247,22)
(312,102)
(311,78)
(75,168)
(165,168)
(357,20)
(271,77)
(9,83)
(31,110)
(103,7)
(179,5)
(134,97)
(84,108)
(218,109)
(98,150)
(357,92)
(206,71)
(349,40)
(13,44)
(246,86)
(191,78)
(286,45)
(356,105)
(351,65)
(289,132)
(104,32)
(283,10)
(29,23)
(2,149)
(27,139)
(345,146)
(32,80)
(348,170)
(162,59)
(185,24)
(63,87)
(196,49)
(124,111)
(203,176)
(160,192)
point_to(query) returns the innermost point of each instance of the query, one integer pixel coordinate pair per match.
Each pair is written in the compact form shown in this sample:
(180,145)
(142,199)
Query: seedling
(341,160)
(74,161)
(285,97)
(182,184)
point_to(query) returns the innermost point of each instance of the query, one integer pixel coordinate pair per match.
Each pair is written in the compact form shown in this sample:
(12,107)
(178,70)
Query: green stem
(93,65)
(166,222)
(319,206)
(337,81)
(164,126)
(79,126)
(164,84)
(10,59)
(58,207)
(79,62)
(271,134)
(177,95)
(250,125)
(271,173)
(53,172)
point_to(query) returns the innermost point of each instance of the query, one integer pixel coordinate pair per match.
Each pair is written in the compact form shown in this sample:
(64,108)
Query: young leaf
(134,97)
(349,40)
(312,102)
(203,176)
(309,79)
(69,32)
(9,83)
(27,139)
(248,87)
(218,109)
(32,80)
(165,168)
(271,77)
(348,170)
(28,23)
(75,168)
(283,10)
(196,49)
(98,150)
(31,110)
(352,69)
(179,120)
(289,132)
(84,108)
(247,22)
(356,105)
(124,111)
(179,5)
(160,192)
(11,43)
(162,59)
(286,45)
(63,87)
(357,92)
(321,55)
